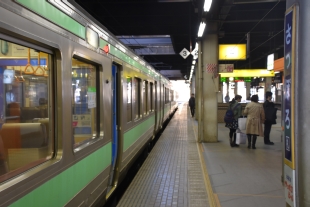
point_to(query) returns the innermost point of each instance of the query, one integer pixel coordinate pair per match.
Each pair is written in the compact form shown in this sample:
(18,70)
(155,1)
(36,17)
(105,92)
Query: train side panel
(78,126)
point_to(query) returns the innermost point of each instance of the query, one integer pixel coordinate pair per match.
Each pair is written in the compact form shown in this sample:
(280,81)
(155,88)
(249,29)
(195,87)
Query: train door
(115,123)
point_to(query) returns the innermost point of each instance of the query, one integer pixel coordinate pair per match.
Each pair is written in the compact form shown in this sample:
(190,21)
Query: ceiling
(158,30)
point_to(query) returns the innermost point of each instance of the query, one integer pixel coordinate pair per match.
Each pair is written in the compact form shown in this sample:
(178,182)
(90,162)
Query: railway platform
(182,172)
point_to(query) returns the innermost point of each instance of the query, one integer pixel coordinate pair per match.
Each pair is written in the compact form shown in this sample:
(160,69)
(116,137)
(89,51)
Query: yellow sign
(232,52)
(249,73)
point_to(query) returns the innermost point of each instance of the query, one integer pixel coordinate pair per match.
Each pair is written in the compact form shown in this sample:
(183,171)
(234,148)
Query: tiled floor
(173,175)
(243,177)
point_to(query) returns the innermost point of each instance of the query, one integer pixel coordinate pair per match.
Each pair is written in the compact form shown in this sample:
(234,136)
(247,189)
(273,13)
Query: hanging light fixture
(207,5)
(201,29)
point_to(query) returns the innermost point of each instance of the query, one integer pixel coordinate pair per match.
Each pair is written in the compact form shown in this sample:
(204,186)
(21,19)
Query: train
(77,107)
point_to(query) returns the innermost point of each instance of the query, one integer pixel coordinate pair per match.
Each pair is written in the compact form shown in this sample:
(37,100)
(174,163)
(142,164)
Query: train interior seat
(22,142)
(3,159)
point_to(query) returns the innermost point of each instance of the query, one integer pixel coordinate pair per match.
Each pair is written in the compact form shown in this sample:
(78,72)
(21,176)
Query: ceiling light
(207,5)
(201,29)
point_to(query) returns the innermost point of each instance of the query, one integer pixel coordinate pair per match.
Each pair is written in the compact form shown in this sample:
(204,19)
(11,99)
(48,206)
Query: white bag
(241,138)
(242,123)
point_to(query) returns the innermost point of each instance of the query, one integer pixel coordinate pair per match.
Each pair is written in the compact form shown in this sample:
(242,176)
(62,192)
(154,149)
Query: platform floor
(179,171)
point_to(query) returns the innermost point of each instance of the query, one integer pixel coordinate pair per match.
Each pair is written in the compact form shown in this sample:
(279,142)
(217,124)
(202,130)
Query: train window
(151,97)
(166,95)
(137,97)
(129,99)
(85,110)
(25,126)
(145,97)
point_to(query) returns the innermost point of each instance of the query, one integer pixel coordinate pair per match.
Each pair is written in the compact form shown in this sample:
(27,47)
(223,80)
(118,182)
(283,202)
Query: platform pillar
(210,86)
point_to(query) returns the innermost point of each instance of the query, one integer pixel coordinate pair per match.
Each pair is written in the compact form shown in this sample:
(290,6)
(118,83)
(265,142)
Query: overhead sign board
(270,61)
(185,53)
(249,73)
(232,52)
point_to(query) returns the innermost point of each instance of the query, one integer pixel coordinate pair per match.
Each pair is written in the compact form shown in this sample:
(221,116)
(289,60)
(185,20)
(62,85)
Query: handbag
(241,138)
(242,123)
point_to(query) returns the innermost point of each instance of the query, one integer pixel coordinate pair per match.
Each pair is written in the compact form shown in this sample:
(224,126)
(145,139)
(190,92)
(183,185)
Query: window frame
(137,99)
(34,166)
(99,105)
(131,104)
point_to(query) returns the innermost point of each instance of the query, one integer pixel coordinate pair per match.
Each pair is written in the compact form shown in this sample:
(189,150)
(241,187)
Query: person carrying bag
(242,123)
(233,112)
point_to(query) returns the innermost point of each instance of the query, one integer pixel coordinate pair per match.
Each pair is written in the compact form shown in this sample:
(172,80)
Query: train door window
(145,97)
(167,92)
(137,97)
(166,95)
(85,107)
(151,97)
(129,99)
(25,117)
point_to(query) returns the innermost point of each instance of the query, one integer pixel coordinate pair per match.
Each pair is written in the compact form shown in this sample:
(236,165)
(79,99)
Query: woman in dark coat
(269,121)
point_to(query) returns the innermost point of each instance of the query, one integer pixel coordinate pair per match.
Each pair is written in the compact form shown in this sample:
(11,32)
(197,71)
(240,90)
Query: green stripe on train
(53,14)
(135,133)
(61,189)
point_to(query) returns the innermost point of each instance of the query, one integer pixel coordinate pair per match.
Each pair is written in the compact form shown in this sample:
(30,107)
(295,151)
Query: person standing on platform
(236,107)
(270,115)
(227,98)
(249,97)
(255,118)
(191,104)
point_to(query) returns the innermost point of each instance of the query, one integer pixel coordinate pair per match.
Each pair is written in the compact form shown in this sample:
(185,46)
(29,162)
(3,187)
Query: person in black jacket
(191,104)
(269,121)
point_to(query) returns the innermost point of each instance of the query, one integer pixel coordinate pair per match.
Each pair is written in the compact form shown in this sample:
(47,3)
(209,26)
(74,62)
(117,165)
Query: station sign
(194,53)
(289,106)
(184,53)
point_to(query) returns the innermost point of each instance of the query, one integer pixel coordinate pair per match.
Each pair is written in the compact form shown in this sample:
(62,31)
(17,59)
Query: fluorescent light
(201,29)
(207,5)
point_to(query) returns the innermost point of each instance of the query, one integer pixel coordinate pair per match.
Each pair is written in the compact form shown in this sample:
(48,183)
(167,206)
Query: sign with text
(81,120)
(249,73)
(195,53)
(232,52)
(289,186)
(289,97)
(226,68)
(185,53)
(289,71)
